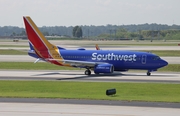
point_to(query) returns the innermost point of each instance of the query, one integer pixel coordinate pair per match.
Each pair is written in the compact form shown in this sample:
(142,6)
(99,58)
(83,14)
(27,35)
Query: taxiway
(39,109)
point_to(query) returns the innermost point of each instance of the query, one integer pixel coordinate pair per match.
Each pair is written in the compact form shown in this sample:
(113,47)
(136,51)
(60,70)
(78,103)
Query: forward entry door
(144,59)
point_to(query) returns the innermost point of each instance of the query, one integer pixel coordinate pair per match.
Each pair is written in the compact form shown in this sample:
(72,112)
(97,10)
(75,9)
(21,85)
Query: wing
(79,63)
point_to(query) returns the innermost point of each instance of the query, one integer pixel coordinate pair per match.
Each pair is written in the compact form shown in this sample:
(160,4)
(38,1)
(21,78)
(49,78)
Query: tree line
(172,34)
(140,31)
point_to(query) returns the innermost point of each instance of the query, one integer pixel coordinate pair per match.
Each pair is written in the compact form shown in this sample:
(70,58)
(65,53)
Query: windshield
(156,58)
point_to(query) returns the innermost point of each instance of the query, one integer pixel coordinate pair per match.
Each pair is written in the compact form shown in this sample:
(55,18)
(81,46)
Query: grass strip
(48,66)
(171,68)
(14,46)
(172,53)
(91,90)
(12,52)
(32,66)
(139,44)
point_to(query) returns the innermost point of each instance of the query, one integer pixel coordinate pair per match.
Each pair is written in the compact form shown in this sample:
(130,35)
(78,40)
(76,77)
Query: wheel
(148,73)
(87,72)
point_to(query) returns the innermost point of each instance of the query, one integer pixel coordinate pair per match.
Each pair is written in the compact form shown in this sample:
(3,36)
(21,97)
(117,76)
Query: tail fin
(35,37)
(39,45)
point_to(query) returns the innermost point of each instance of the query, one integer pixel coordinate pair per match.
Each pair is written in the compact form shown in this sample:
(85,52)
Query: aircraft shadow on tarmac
(52,73)
(92,76)
(82,76)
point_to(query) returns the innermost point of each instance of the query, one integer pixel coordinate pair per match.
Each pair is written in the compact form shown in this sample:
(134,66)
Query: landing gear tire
(148,74)
(87,72)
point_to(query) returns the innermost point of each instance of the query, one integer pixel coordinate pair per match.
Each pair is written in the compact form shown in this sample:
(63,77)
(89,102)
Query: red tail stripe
(33,37)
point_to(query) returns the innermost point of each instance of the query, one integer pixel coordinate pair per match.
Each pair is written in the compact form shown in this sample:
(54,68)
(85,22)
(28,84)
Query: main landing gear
(148,73)
(87,72)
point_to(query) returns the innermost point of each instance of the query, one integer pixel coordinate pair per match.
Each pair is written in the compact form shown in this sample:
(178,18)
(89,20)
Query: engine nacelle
(104,68)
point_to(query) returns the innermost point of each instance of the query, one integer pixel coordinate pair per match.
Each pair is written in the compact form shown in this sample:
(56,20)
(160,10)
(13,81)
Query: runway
(61,75)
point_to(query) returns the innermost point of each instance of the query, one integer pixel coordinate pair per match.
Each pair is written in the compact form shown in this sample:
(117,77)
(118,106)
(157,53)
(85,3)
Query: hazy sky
(89,12)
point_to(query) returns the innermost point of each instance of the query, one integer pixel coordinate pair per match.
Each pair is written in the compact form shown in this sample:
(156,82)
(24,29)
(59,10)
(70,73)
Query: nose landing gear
(149,72)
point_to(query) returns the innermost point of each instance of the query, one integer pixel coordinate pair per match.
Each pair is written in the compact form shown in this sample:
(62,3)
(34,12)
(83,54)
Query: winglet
(97,47)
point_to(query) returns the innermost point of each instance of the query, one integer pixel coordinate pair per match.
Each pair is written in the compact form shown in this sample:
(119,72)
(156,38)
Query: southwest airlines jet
(98,61)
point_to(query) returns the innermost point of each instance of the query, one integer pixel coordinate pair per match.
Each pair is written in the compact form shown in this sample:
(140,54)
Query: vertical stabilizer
(35,37)
(40,47)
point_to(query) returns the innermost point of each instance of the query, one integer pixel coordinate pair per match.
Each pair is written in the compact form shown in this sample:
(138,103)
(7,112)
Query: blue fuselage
(121,60)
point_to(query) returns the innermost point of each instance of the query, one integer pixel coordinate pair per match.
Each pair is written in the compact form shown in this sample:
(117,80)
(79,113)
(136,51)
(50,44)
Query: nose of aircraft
(163,63)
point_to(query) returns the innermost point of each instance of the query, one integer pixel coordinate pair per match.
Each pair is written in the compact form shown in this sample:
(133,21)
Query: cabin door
(143,59)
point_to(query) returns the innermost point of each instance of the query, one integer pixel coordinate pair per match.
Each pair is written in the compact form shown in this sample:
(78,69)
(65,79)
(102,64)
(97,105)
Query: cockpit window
(156,58)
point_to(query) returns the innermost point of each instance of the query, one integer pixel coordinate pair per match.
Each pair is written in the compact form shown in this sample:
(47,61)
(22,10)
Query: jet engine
(103,68)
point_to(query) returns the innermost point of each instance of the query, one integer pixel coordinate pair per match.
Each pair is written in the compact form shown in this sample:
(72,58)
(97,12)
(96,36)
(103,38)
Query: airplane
(98,61)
